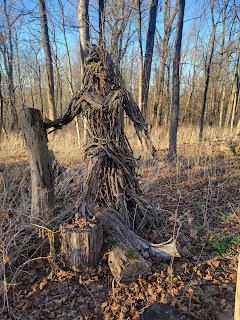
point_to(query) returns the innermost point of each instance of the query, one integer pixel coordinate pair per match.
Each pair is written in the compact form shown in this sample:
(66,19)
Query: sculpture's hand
(135,115)
(74,109)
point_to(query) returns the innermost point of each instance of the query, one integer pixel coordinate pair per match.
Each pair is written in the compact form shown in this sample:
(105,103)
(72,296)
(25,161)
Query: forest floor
(198,200)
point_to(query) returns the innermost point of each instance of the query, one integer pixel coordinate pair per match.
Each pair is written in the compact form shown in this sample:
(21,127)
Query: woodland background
(181,63)
(42,47)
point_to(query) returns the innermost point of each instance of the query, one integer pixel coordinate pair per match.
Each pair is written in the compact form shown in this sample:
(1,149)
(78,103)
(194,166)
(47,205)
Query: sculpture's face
(100,64)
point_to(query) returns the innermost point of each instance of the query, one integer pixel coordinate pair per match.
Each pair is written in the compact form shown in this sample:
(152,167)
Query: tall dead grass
(65,145)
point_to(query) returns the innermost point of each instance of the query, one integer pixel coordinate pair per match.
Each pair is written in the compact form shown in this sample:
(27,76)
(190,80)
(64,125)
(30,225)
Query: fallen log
(127,251)
(126,266)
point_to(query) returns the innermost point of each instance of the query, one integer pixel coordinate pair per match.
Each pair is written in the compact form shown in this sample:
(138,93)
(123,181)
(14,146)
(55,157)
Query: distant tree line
(180,60)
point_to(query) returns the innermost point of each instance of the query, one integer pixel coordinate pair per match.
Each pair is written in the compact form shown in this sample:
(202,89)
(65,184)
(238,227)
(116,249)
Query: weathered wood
(81,245)
(127,251)
(32,126)
(125,265)
(118,233)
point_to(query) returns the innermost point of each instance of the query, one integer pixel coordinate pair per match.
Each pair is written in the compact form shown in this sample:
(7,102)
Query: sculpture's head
(100,73)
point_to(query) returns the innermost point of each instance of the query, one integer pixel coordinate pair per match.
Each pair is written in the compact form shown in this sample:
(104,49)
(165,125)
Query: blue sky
(197,15)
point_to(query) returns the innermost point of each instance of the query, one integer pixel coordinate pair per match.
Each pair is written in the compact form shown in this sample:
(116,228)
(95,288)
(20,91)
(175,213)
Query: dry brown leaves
(203,199)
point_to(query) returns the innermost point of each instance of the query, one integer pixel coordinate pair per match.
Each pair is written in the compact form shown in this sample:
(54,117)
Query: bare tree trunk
(235,93)
(52,113)
(58,93)
(148,55)
(31,90)
(188,107)
(207,73)
(1,105)
(59,83)
(222,106)
(39,83)
(212,104)
(166,115)
(140,81)
(20,83)
(41,165)
(168,21)
(70,77)
(81,245)
(8,62)
(120,12)
(229,106)
(101,22)
(83,19)
(221,97)
(172,151)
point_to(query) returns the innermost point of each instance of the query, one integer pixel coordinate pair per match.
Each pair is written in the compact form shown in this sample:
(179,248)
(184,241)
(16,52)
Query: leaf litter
(200,201)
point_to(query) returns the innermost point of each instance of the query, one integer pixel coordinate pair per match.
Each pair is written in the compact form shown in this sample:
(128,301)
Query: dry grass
(198,197)
(65,145)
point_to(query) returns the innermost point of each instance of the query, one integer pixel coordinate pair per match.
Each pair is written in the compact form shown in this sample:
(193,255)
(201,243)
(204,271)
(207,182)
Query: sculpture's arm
(79,103)
(74,109)
(133,112)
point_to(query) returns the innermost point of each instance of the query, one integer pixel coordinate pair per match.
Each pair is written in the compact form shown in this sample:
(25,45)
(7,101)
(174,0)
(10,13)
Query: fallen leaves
(200,284)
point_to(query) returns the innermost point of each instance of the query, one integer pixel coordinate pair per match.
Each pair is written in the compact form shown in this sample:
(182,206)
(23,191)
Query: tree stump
(35,135)
(81,244)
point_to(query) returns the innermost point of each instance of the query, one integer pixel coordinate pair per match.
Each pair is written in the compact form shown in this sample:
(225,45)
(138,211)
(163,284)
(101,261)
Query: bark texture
(8,56)
(176,83)
(41,165)
(140,81)
(101,22)
(125,257)
(126,266)
(127,251)
(81,245)
(149,54)
(168,21)
(207,73)
(84,31)
(48,57)
(1,105)
(83,19)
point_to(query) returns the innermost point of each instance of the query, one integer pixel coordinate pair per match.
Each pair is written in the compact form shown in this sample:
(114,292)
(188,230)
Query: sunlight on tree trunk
(172,149)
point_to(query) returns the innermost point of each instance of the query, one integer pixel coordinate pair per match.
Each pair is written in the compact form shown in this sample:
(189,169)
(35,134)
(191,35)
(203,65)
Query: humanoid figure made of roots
(111,180)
